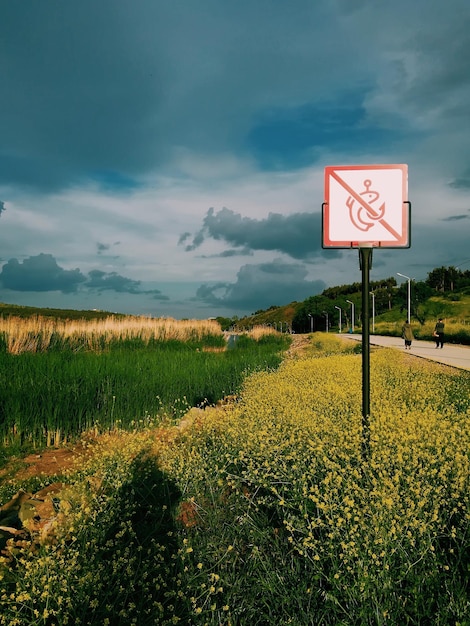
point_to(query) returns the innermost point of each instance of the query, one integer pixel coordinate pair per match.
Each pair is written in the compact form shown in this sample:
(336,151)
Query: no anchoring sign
(366,204)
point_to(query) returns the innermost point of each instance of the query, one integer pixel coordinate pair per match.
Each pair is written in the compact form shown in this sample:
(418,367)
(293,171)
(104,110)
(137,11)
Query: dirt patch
(50,462)
(299,345)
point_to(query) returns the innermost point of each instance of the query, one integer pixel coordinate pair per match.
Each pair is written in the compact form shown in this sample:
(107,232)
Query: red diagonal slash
(372,212)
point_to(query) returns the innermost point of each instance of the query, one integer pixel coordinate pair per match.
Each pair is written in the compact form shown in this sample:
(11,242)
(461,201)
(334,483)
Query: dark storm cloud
(261,286)
(40,273)
(288,138)
(461,183)
(157,295)
(102,281)
(183,237)
(298,235)
(229,253)
(105,90)
(82,93)
(111,281)
(442,81)
(104,247)
(455,218)
(198,240)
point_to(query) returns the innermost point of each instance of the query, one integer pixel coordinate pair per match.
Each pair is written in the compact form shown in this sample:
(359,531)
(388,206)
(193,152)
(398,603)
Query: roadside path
(451,354)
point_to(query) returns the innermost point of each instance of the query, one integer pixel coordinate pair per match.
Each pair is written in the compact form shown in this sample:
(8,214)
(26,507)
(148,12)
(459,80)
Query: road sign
(366,205)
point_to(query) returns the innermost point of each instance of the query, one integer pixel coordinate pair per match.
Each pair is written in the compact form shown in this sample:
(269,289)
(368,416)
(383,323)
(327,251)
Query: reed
(41,334)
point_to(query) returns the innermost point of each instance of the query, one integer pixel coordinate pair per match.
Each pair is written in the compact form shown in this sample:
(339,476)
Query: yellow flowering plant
(263,511)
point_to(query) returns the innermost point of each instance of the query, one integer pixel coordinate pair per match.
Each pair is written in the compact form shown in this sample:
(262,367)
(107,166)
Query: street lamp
(339,309)
(326,315)
(311,322)
(409,294)
(373,311)
(352,314)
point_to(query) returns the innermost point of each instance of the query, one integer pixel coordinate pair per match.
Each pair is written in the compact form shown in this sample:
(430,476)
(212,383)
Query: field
(262,511)
(59,379)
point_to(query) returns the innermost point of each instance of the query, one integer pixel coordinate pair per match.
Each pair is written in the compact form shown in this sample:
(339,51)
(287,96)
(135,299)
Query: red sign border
(403,242)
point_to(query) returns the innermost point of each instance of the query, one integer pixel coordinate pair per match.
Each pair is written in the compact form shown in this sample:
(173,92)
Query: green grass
(55,396)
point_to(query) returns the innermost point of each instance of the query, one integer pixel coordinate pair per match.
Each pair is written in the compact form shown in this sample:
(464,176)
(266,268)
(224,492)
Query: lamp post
(352,314)
(339,309)
(409,294)
(311,322)
(325,313)
(373,311)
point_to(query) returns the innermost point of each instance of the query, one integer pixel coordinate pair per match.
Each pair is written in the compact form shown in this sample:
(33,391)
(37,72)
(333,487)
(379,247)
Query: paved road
(450,354)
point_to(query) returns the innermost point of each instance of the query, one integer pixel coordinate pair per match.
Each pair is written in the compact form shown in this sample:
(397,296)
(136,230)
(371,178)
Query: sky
(167,158)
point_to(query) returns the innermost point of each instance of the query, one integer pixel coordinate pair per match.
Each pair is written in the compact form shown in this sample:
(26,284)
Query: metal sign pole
(366,206)
(365,263)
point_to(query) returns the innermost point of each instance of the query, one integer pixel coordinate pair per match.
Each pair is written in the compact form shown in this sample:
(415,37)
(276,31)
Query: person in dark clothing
(439,333)
(407,334)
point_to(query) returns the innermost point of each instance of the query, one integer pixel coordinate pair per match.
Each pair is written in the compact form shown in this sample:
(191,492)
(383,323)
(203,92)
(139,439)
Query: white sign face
(366,204)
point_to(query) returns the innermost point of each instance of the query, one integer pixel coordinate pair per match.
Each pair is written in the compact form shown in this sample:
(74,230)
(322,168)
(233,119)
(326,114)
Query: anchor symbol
(362,217)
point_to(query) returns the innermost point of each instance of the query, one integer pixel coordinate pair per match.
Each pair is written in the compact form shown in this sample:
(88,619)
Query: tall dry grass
(39,334)
(261,331)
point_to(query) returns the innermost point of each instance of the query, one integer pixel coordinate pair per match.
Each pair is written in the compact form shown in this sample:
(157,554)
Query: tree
(444,278)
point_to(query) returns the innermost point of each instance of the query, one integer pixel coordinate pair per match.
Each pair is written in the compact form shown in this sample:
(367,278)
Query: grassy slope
(445,306)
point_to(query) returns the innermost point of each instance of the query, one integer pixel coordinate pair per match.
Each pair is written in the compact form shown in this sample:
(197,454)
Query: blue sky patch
(291,138)
(113,180)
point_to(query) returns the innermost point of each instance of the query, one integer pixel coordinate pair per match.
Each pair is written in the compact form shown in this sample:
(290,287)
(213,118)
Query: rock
(9,512)
(28,514)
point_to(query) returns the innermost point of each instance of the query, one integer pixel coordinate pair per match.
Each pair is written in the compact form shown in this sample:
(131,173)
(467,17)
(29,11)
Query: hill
(454,308)
(445,293)
(16,310)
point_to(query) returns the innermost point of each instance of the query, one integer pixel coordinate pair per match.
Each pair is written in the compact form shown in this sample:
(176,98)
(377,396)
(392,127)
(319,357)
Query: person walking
(407,334)
(439,333)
